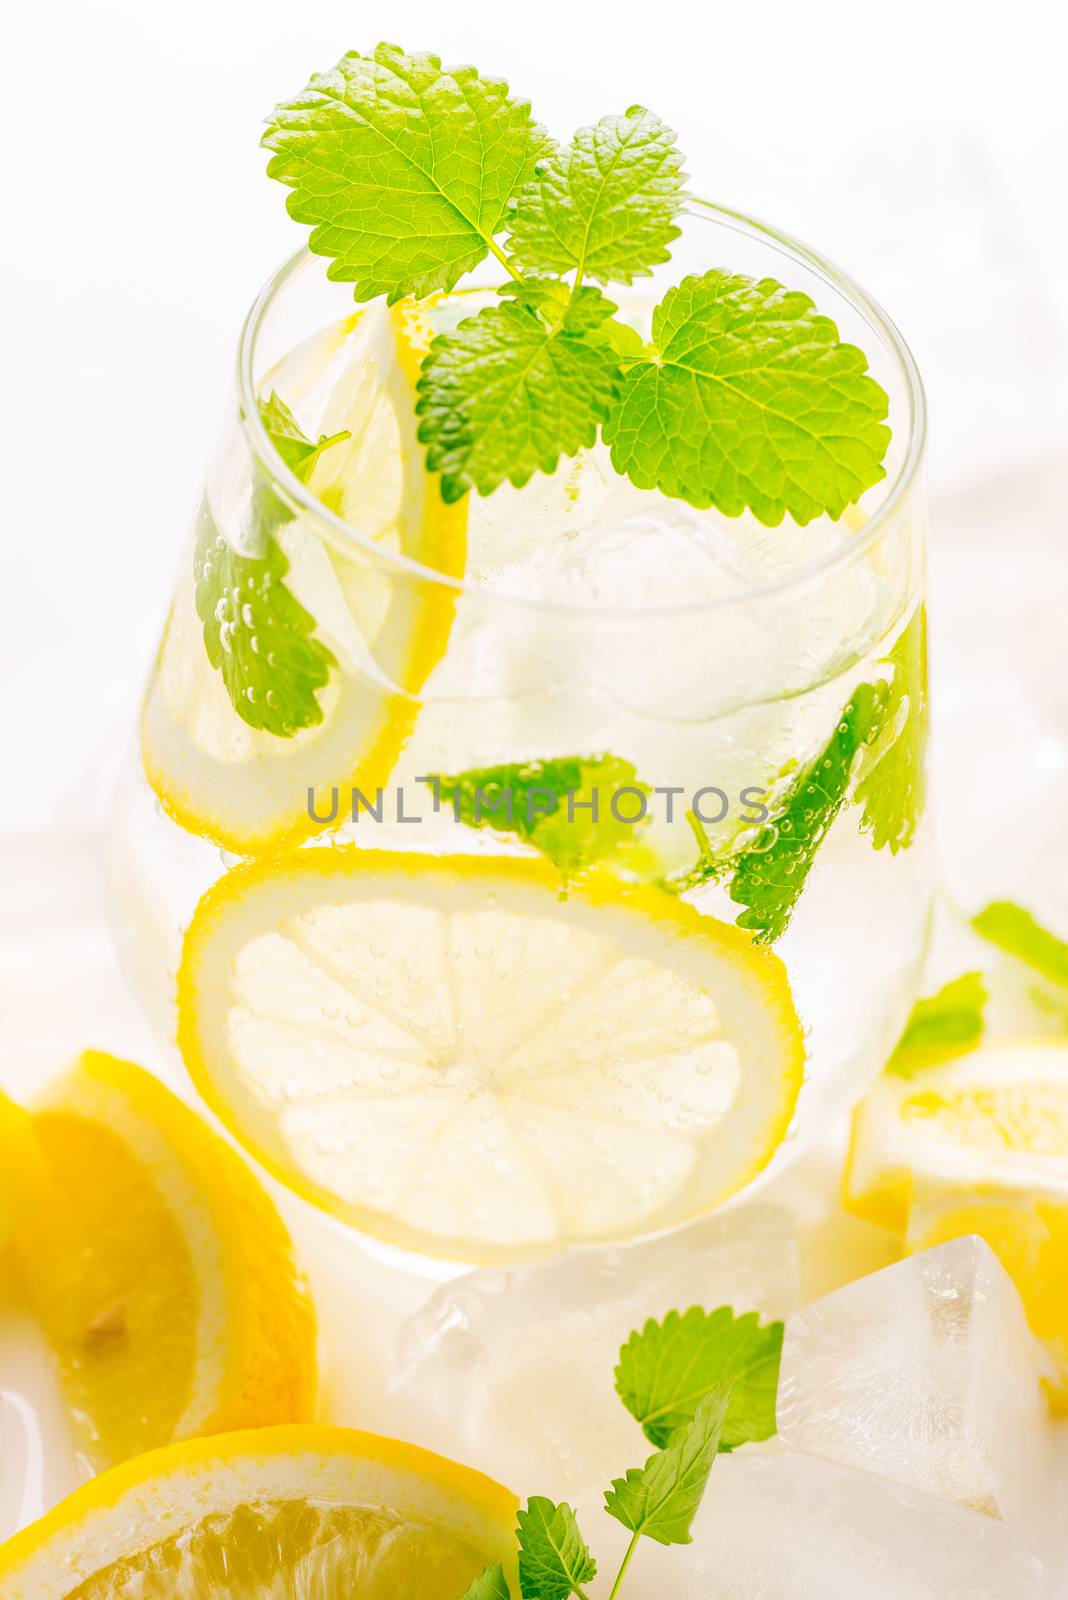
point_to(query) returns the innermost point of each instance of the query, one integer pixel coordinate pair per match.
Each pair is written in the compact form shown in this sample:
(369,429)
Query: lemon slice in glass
(452,1057)
(386,625)
(315,1511)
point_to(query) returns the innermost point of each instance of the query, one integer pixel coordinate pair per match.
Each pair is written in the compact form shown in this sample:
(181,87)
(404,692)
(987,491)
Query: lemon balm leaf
(489,1585)
(893,785)
(949,1022)
(751,401)
(604,205)
(510,392)
(660,1500)
(257,635)
(1016,931)
(403,168)
(554,1560)
(667,1368)
(561,807)
(770,872)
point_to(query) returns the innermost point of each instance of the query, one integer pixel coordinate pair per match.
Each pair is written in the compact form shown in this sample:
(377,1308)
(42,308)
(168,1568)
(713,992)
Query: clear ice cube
(927,1373)
(513,1371)
(794,1527)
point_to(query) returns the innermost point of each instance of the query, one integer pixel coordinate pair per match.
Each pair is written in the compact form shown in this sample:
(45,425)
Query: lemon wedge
(159,1269)
(21,1167)
(385,624)
(454,1058)
(316,1511)
(996,1115)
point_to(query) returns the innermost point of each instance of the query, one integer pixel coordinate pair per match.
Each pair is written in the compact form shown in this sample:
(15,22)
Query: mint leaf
(509,392)
(1014,930)
(660,1500)
(554,1561)
(770,874)
(893,785)
(751,401)
(668,1367)
(605,205)
(579,831)
(950,1021)
(403,168)
(257,635)
(489,1585)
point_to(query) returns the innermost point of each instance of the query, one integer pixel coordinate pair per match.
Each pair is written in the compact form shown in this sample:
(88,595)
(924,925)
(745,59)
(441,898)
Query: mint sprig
(749,400)
(700,1383)
(893,784)
(257,635)
(604,206)
(403,168)
(946,1023)
(410,174)
(516,387)
(667,1368)
(1017,931)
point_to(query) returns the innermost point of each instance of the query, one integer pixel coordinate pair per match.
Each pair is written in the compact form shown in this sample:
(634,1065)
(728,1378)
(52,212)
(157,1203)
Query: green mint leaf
(508,393)
(554,1560)
(666,1368)
(489,1585)
(548,804)
(948,1023)
(605,205)
(257,635)
(660,1500)
(750,401)
(403,168)
(770,873)
(893,785)
(1014,930)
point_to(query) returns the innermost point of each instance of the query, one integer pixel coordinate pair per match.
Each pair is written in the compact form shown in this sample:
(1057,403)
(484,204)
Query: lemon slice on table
(246,788)
(315,1511)
(21,1167)
(455,1059)
(159,1269)
(997,1115)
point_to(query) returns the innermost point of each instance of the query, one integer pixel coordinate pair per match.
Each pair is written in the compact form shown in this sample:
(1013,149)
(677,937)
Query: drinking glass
(570,635)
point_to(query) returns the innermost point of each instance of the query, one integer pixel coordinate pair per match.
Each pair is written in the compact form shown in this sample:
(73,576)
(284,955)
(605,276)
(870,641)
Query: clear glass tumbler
(539,869)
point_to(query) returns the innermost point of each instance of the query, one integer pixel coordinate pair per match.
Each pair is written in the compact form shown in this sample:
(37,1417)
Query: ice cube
(795,1527)
(21,1465)
(513,1371)
(925,1372)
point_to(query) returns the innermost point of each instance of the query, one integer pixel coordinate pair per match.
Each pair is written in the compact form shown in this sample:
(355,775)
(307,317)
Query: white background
(921,145)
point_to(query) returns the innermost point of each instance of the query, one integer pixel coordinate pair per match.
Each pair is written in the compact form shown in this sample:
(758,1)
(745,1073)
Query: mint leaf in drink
(404,169)
(554,1560)
(257,635)
(893,784)
(770,873)
(515,388)
(604,205)
(1013,929)
(489,1585)
(562,807)
(948,1022)
(750,401)
(660,1500)
(667,1368)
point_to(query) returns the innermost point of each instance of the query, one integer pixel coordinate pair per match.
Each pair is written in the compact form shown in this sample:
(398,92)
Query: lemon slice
(452,1057)
(21,1167)
(997,1115)
(159,1269)
(386,627)
(312,1511)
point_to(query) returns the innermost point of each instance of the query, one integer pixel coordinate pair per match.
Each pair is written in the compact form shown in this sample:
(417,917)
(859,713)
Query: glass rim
(848,550)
